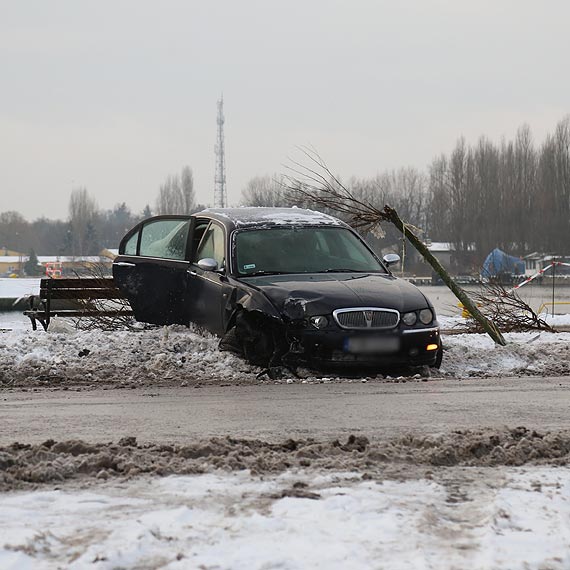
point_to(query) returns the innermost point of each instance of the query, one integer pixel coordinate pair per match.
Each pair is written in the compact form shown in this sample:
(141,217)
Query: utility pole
(220,197)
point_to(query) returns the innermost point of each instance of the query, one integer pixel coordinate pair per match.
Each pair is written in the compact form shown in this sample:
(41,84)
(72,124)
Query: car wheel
(231,343)
(255,336)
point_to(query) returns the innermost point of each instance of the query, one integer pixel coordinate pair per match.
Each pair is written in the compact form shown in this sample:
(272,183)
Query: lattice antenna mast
(220,199)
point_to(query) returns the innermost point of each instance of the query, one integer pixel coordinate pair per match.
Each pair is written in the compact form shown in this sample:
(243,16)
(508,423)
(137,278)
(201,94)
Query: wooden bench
(77,297)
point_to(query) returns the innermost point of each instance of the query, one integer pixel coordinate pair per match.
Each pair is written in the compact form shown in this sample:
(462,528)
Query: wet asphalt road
(275,412)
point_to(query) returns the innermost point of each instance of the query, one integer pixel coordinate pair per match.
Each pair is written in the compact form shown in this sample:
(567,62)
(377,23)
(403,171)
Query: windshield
(303,250)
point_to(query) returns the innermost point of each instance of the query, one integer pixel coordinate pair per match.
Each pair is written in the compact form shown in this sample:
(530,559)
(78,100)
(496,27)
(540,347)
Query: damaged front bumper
(381,349)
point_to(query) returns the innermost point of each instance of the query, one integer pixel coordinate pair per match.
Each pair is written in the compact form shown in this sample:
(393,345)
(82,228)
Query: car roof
(263,216)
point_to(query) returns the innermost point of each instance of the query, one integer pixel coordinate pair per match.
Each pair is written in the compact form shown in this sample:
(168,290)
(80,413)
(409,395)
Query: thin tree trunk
(487,325)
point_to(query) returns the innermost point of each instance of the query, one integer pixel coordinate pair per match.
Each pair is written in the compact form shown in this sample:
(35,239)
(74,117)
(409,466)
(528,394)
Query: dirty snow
(180,356)
(456,518)
(24,466)
(163,355)
(469,499)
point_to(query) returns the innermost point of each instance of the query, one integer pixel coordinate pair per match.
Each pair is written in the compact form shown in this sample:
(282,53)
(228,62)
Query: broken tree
(317,185)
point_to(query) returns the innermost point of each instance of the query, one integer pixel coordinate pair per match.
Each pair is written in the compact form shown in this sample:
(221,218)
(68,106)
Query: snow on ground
(178,355)
(166,354)
(450,323)
(494,519)
(405,515)
(16,288)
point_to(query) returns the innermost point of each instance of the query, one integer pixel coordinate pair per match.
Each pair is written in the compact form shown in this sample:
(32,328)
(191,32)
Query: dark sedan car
(280,286)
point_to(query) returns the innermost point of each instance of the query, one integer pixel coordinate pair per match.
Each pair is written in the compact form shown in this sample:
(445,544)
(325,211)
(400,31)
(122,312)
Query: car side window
(131,245)
(199,231)
(165,238)
(212,245)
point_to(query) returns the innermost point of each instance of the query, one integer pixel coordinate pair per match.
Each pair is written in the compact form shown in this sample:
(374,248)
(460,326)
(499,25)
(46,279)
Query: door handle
(191,272)
(124,264)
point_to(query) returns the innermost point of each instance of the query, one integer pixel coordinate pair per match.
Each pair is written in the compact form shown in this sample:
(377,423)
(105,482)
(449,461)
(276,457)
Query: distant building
(443,251)
(535,262)
(13,265)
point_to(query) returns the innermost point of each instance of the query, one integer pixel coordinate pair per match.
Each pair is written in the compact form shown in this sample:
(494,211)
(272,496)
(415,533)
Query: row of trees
(514,195)
(88,229)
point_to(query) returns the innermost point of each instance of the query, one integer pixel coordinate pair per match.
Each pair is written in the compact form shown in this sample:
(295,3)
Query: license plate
(372,344)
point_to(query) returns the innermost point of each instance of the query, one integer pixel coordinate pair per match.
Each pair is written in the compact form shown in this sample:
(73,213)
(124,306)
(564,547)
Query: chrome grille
(366,318)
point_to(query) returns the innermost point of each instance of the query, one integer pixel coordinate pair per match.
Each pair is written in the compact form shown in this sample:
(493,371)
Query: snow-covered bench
(78,297)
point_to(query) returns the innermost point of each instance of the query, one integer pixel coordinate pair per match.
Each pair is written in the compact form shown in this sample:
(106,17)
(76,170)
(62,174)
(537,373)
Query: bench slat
(78,282)
(84,294)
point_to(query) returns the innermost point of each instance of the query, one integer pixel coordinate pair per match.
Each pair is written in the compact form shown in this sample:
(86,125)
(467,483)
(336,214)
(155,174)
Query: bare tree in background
(406,190)
(82,215)
(14,232)
(187,188)
(169,200)
(553,179)
(176,195)
(264,191)
(524,190)
(438,210)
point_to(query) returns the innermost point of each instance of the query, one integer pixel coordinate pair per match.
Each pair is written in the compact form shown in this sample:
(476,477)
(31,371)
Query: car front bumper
(380,349)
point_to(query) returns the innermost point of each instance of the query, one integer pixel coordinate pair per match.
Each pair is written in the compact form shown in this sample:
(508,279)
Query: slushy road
(375,409)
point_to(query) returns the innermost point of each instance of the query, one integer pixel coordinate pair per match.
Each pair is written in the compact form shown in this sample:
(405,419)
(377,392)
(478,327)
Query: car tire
(231,343)
(255,336)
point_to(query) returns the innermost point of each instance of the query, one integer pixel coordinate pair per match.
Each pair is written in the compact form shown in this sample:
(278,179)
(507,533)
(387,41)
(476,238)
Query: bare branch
(324,190)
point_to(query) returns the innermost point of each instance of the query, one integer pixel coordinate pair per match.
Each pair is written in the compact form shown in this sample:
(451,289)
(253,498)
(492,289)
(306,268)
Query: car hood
(298,295)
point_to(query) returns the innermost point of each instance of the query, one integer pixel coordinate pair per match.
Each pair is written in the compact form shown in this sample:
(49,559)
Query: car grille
(366,318)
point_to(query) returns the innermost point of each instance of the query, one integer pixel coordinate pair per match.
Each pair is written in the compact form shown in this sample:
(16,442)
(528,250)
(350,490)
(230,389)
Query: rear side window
(131,245)
(165,238)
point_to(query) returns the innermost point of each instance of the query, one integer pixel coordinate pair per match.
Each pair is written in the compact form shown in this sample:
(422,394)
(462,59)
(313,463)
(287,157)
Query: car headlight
(426,316)
(409,319)
(319,322)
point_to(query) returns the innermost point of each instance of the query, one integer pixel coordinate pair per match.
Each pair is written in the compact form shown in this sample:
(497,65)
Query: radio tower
(220,200)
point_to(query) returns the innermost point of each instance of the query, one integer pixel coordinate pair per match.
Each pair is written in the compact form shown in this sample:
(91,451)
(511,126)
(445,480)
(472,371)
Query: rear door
(152,266)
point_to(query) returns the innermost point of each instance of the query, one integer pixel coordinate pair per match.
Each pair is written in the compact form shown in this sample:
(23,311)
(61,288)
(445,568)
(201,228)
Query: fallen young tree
(316,185)
(506,309)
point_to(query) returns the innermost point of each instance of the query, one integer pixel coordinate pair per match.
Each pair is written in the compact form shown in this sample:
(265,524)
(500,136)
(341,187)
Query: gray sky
(115,95)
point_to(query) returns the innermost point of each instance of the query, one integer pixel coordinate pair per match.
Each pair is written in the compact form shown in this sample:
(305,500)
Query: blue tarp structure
(500,263)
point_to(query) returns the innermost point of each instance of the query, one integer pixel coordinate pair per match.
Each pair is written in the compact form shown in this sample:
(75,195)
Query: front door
(208,290)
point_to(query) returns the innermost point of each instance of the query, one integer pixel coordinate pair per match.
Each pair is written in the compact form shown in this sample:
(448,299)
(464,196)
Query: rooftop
(273,216)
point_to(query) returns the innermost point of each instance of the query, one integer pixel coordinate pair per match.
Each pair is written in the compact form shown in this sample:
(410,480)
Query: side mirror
(391,258)
(208,264)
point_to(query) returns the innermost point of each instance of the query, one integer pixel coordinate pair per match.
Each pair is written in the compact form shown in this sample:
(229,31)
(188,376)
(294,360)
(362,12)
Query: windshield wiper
(345,271)
(257,273)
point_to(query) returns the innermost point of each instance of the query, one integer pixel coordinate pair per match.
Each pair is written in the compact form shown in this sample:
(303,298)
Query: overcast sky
(115,95)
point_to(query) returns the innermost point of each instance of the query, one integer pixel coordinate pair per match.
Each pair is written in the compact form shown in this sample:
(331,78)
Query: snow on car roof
(274,216)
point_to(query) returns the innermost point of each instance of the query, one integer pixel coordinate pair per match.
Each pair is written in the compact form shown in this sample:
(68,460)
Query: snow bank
(526,354)
(178,355)
(125,358)
(23,465)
